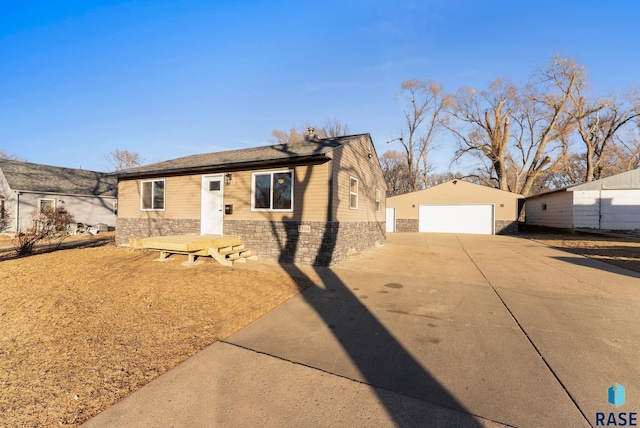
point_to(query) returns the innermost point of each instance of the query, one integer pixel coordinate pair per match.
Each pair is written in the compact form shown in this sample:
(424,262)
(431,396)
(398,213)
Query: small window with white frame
(46,204)
(272,191)
(378,200)
(353,193)
(152,195)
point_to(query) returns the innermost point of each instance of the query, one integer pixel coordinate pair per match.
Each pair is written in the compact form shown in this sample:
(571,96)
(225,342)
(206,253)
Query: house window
(353,193)
(3,213)
(272,191)
(378,200)
(152,195)
(44,204)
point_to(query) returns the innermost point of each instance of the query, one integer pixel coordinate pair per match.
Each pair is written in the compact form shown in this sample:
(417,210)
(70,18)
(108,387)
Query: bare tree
(124,159)
(625,154)
(520,132)
(50,224)
(5,155)
(395,172)
(545,120)
(483,127)
(598,122)
(424,113)
(332,128)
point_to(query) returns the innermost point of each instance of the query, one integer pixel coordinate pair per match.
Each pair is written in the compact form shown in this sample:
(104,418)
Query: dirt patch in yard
(82,328)
(621,250)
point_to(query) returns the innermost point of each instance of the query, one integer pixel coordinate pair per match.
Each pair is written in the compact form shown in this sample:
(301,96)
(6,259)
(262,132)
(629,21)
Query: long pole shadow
(381,360)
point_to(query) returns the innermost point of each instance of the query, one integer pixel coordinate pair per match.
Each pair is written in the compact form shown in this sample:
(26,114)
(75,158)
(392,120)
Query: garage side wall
(551,210)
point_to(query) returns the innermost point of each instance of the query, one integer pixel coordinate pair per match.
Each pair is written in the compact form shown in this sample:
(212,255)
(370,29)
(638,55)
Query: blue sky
(79,79)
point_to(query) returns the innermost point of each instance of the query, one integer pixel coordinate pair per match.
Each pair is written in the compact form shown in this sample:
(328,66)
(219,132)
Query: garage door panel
(476,219)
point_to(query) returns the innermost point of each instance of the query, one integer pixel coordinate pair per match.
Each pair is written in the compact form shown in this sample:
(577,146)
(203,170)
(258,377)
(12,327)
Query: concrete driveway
(427,330)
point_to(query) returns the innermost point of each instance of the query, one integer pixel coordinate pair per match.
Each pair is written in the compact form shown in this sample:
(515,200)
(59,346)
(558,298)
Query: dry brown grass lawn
(82,328)
(619,251)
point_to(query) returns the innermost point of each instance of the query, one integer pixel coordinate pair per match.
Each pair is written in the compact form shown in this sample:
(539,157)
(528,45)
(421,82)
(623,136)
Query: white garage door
(456,219)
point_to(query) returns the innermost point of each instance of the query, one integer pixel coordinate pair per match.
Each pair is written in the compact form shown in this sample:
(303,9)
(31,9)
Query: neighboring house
(312,201)
(455,207)
(609,203)
(90,196)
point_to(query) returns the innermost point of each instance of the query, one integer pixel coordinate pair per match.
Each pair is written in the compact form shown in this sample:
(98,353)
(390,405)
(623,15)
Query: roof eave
(228,166)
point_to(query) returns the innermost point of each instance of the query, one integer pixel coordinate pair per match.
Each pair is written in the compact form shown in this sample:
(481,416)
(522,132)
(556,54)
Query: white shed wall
(620,209)
(586,209)
(558,212)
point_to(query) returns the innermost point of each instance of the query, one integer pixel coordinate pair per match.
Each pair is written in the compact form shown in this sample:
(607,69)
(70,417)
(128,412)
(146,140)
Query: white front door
(212,211)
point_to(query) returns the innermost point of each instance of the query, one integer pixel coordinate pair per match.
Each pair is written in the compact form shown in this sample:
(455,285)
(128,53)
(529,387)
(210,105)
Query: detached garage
(455,207)
(612,203)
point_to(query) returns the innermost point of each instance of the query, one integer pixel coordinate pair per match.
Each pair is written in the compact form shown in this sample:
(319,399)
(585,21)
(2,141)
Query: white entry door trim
(391,220)
(212,205)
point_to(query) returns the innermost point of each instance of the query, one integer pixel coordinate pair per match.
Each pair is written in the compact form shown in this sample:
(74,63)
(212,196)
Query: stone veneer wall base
(502,227)
(306,242)
(406,225)
(506,227)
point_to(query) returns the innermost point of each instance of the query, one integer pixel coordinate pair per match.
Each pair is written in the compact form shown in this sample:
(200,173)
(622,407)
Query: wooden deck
(225,249)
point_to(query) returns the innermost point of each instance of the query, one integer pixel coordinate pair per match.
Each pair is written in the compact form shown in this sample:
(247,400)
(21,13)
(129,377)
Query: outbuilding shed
(611,203)
(456,206)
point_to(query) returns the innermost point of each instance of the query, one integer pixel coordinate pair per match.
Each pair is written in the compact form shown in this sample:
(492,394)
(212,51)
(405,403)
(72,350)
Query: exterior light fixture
(227,179)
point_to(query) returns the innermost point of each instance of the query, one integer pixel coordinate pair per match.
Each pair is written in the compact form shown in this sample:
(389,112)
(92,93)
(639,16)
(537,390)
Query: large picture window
(272,191)
(152,195)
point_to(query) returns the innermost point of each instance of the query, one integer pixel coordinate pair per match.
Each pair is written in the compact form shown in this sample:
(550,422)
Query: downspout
(600,210)
(18,211)
(330,202)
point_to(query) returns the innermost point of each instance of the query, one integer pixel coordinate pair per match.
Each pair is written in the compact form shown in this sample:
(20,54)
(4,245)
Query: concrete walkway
(427,330)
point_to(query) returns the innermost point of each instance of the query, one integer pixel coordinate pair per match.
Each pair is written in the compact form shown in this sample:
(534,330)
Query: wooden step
(230,254)
(235,251)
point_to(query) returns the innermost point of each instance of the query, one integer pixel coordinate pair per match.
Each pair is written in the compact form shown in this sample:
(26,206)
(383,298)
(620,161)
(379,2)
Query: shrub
(48,224)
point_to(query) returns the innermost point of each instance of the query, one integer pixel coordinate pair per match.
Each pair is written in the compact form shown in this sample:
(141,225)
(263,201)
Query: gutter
(44,192)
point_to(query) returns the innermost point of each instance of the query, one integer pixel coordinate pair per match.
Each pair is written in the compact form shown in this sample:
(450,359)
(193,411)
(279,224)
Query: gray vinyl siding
(85,209)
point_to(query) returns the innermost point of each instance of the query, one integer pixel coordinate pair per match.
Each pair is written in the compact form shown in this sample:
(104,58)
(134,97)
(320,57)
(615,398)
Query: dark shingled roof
(256,156)
(32,177)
